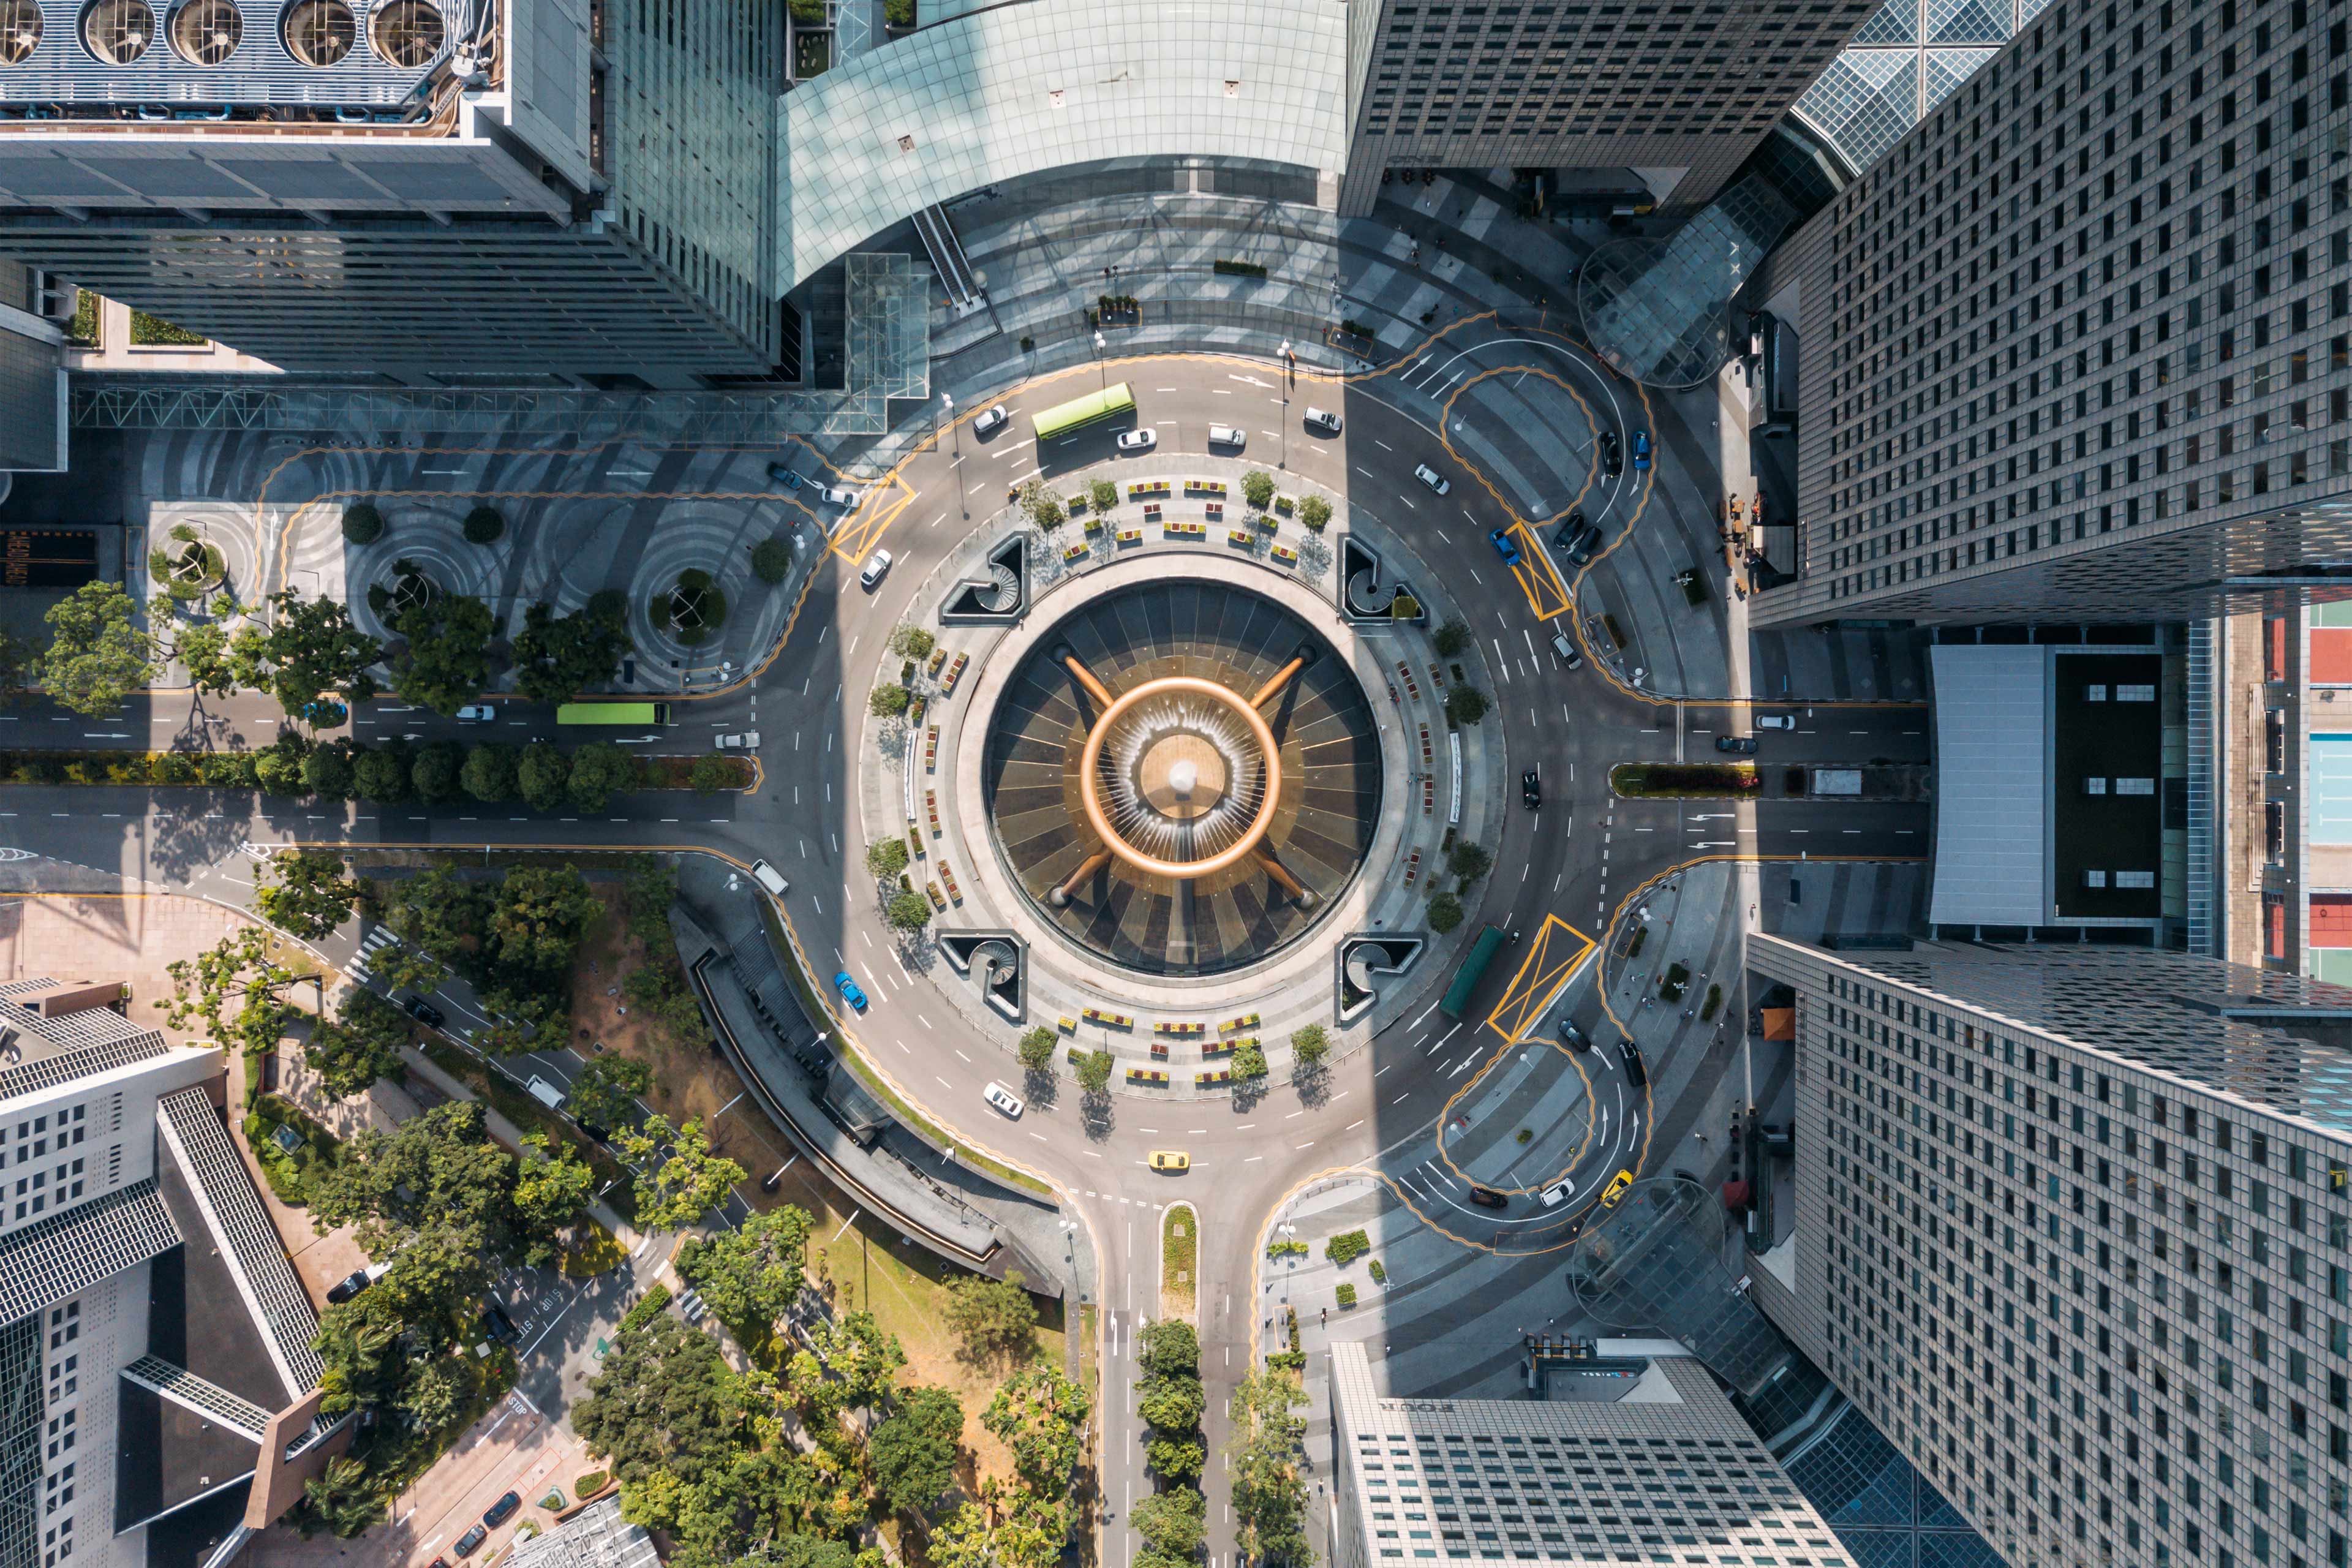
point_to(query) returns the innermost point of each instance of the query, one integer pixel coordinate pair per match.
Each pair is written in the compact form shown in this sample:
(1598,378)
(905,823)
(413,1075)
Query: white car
(1776,720)
(1555,1194)
(1005,1100)
(835,495)
(1227,436)
(477,713)
(1428,477)
(748,740)
(1141,440)
(1323,419)
(995,416)
(768,877)
(878,566)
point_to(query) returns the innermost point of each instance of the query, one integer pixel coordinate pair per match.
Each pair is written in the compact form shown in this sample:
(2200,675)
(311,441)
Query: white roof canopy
(1992,785)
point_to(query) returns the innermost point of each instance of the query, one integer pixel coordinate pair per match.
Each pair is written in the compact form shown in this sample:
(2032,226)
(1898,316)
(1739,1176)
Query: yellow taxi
(1170,1159)
(1615,1189)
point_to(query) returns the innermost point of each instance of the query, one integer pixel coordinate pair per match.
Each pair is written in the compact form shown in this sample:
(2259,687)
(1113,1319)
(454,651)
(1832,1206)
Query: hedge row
(396,772)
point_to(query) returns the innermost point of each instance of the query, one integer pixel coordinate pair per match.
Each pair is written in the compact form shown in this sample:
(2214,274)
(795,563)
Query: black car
(424,1012)
(497,1325)
(349,1286)
(1612,461)
(499,1512)
(1635,1073)
(1565,536)
(1743,744)
(1581,552)
(1486,1198)
(1571,1037)
(472,1538)
(1531,788)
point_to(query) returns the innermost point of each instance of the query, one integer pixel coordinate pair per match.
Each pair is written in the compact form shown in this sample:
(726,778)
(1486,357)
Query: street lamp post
(1283,352)
(1102,373)
(955,434)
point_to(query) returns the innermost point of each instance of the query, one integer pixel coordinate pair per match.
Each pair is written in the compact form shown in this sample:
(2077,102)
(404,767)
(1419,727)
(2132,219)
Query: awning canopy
(1992,784)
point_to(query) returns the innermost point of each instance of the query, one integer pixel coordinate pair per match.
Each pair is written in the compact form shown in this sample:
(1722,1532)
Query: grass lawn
(1180,1273)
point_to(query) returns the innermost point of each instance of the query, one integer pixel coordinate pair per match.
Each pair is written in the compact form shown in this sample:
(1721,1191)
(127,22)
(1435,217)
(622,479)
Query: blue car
(783,476)
(324,714)
(1641,448)
(849,990)
(1504,547)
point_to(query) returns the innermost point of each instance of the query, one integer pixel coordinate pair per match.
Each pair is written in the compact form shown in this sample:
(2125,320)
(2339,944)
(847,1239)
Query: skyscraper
(2077,345)
(2072,1229)
(1689,87)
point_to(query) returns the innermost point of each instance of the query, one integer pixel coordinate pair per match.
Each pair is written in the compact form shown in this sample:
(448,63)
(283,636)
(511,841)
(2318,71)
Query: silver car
(878,566)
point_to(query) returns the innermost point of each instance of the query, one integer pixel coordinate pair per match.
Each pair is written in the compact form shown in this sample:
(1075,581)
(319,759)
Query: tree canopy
(556,656)
(913,1451)
(447,660)
(679,1179)
(310,646)
(1036,1413)
(436,1172)
(363,1045)
(97,654)
(751,1273)
(994,1320)
(310,896)
(605,1094)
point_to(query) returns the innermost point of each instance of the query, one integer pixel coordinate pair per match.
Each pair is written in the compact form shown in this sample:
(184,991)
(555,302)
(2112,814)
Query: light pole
(1283,352)
(1102,373)
(955,434)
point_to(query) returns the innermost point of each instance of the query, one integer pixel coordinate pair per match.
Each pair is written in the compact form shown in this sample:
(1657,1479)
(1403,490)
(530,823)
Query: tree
(605,1094)
(1310,1045)
(404,968)
(438,910)
(852,1363)
(203,652)
(343,1497)
(1315,512)
(913,1451)
(1444,912)
(887,856)
(663,1400)
(326,771)
(689,1180)
(887,701)
(447,660)
(437,772)
(1176,1459)
(1037,1412)
(1249,1060)
(358,1047)
(438,1172)
(1093,1069)
(311,646)
(551,1191)
(1452,637)
(310,896)
(543,775)
(1257,489)
(1173,1403)
(751,1274)
(1038,1048)
(601,770)
(908,912)
(236,968)
(1466,705)
(363,524)
(483,525)
(912,642)
(1039,504)
(381,774)
(537,919)
(647,891)
(277,768)
(995,1320)
(488,774)
(1468,860)
(1027,1535)
(1103,495)
(1170,1346)
(557,656)
(772,561)
(1269,1500)
(1174,1522)
(97,656)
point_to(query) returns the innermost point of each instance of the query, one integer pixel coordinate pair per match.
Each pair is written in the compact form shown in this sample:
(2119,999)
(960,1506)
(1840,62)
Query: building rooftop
(1907,59)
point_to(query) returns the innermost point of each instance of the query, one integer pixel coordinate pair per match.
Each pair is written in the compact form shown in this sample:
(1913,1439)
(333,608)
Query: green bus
(1078,411)
(1474,969)
(634,714)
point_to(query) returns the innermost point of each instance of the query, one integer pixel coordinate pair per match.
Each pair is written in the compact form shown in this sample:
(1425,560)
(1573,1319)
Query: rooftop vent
(319,32)
(409,32)
(20,30)
(206,32)
(116,32)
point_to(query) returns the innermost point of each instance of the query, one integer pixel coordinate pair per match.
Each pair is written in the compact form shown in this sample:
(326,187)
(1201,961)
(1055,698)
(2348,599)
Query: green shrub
(1466,705)
(1347,1247)
(1714,1000)
(1257,489)
(363,524)
(887,701)
(1453,638)
(1285,1247)
(483,525)
(1379,1275)
(1224,269)
(589,1485)
(652,1301)
(772,561)
(1346,1295)
(1445,914)
(1105,496)
(1677,980)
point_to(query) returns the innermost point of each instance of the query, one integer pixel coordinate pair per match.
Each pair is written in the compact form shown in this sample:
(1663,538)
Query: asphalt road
(1572,725)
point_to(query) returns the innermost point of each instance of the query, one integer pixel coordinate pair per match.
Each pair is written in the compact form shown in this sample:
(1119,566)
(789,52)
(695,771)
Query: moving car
(1428,476)
(1557,1194)
(748,740)
(1566,651)
(477,713)
(1170,1159)
(849,990)
(784,476)
(1531,788)
(351,1284)
(768,877)
(1580,553)
(1227,436)
(995,416)
(1141,440)
(878,566)
(1613,462)
(1322,419)
(1776,720)
(421,1010)
(1571,1037)
(1641,448)
(501,1511)
(1487,1198)
(1743,744)
(1004,1098)
(471,1539)
(1505,546)
(1635,1073)
(836,495)
(1565,534)
(1615,1189)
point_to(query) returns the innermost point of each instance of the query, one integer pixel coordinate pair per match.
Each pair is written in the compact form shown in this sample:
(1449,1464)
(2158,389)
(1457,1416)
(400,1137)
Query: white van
(545,1092)
(1323,419)
(1227,436)
(768,878)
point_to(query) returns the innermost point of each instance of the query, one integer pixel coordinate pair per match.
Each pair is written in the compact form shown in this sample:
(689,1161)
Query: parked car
(1571,1037)
(991,420)
(324,714)
(1505,546)
(1004,1098)
(477,713)
(1641,448)
(1227,436)
(1581,552)
(878,566)
(1566,651)
(837,495)
(503,1510)
(782,475)
(1615,1189)
(1141,440)
(1745,745)
(1631,1054)
(747,740)
(1487,1198)
(471,1541)
(1776,720)
(849,990)
(424,1012)
(1565,534)
(1613,462)
(1322,419)
(1428,477)
(768,877)
(1170,1159)
(349,1286)
(1532,789)
(497,1325)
